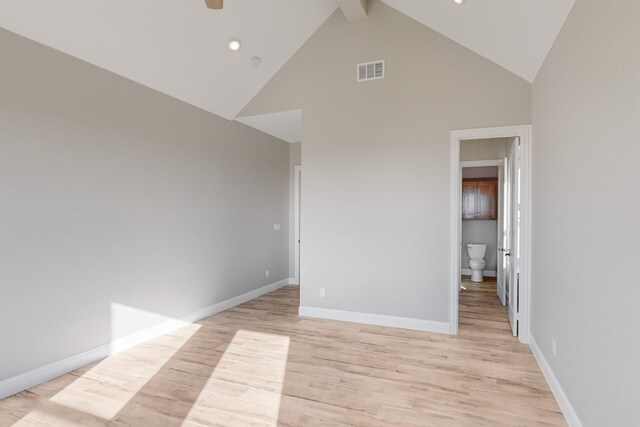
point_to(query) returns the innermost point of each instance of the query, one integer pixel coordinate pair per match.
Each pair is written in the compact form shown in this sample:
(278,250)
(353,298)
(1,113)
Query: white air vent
(371,71)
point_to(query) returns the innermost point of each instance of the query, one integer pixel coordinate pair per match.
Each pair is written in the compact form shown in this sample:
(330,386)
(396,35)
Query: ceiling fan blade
(214,4)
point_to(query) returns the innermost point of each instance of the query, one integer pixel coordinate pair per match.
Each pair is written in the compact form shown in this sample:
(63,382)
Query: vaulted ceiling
(180,47)
(516,34)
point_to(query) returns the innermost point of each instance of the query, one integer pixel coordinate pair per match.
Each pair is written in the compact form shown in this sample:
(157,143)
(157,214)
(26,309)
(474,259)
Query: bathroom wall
(480,172)
(480,231)
(484,149)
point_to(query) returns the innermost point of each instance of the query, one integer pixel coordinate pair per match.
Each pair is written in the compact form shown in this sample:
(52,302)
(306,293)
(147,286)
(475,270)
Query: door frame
(296,223)
(524,132)
(499,163)
(514,217)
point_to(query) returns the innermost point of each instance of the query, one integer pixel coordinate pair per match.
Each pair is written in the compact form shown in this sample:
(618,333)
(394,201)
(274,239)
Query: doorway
(512,237)
(483,211)
(296,220)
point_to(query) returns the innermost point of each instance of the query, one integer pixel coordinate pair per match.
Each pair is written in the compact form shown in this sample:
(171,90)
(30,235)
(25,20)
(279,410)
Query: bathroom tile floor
(260,364)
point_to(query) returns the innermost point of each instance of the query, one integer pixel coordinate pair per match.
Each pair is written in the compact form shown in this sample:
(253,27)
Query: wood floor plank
(260,364)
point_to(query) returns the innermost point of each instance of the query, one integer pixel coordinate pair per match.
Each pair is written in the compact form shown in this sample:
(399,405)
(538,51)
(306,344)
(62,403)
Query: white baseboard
(53,370)
(563,401)
(375,319)
(487,273)
(293,281)
(232,302)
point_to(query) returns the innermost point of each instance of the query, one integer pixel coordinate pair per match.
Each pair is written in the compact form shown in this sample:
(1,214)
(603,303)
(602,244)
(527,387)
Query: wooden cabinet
(469,190)
(480,198)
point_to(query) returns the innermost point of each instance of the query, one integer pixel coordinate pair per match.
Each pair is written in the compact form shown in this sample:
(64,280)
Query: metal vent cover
(370,71)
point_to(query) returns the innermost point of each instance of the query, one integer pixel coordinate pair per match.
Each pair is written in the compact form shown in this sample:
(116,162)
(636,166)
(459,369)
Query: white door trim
(525,133)
(500,261)
(296,224)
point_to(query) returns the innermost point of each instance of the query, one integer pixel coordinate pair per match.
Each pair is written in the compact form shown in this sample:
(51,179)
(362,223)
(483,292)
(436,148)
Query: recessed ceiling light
(458,1)
(234,45)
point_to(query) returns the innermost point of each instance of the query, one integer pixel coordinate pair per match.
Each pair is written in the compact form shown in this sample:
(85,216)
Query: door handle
(507,253)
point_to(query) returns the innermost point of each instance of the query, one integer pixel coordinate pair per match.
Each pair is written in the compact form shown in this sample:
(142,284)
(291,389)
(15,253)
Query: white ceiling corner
(286,125)
(353,10)
(516,35)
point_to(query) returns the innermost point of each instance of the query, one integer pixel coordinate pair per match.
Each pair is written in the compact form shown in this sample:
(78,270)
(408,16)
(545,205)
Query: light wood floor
(260,364)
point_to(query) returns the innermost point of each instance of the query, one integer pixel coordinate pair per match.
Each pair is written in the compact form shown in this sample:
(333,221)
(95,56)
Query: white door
(297,203)
(512,250)
(501,288)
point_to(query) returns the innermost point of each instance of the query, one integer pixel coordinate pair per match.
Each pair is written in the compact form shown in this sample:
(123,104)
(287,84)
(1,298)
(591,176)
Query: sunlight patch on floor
(47,416)
(105,389)
(246,385)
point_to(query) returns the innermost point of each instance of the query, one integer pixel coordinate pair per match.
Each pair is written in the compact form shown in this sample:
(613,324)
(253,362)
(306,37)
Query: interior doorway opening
(490,227)
(296,221)
(482,215)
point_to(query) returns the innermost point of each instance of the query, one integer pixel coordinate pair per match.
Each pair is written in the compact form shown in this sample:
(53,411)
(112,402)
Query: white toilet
(476,260)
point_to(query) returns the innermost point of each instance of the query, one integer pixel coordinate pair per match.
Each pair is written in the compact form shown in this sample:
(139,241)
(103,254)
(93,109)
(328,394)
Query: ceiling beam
(353,9)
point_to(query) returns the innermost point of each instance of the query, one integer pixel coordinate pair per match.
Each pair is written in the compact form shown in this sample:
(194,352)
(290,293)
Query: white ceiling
(516,34)
(179,47)
(286,125)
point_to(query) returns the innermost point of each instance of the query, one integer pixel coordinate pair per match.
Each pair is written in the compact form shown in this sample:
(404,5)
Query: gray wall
(112,193)
(586,183)
(480,172)
(294,159)
(480,231)
(376,157)
(484,149)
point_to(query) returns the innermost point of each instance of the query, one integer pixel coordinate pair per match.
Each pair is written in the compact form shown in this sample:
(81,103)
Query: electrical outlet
(267,273)
(554,347)
(322,292)
(276,227)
